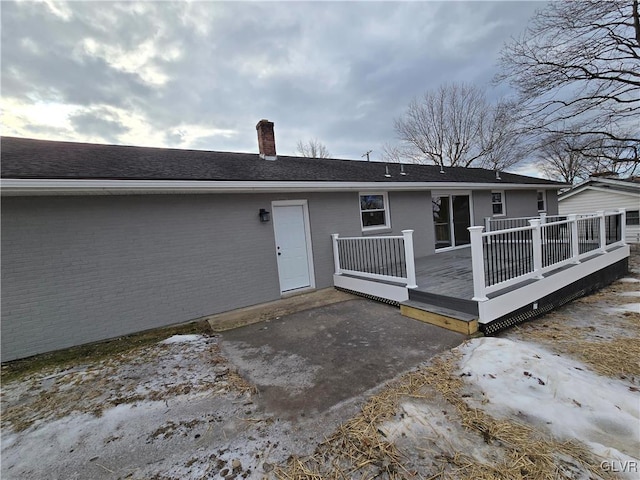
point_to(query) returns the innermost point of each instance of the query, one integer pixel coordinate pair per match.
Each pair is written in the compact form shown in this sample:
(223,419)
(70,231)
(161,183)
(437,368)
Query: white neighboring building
(605,194)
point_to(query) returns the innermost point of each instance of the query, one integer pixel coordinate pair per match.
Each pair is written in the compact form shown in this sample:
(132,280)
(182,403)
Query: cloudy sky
(201,74)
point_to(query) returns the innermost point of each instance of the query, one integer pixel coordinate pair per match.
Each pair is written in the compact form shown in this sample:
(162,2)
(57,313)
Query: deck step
(454,320)
(444,301)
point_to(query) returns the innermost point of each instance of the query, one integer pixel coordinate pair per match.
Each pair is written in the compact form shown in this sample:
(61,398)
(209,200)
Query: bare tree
(398,153)
(577,71)
(502,138)
(604,157)
(455,125)
(313,149)
(559,158)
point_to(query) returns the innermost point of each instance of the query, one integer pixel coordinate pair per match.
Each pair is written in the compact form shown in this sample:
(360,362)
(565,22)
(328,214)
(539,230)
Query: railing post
(409,258)
(575,246)
(543,220)
(487,227)
(623,225)
(477,264)
(336,254)
(603,231)
(536,235)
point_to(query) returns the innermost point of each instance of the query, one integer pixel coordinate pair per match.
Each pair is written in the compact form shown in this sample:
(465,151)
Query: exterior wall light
(264,215)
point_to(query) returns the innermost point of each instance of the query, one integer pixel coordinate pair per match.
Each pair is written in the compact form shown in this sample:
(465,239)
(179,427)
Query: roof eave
(26,187)
(608,189)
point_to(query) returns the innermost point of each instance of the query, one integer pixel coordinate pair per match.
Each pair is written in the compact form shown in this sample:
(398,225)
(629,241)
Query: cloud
(98,122)
(201,74)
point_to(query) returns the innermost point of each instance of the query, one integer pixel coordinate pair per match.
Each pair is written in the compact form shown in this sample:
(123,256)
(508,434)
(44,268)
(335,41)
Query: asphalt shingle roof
(629,185)
(29,158)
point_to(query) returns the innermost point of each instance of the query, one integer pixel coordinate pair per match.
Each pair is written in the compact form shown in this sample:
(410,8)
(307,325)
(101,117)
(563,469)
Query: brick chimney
(266,140)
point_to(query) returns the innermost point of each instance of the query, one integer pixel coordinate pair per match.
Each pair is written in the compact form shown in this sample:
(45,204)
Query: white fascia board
(613,181)
(25,187)
(571,193)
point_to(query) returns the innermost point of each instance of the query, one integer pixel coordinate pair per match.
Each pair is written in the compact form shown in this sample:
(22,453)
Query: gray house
(100,241)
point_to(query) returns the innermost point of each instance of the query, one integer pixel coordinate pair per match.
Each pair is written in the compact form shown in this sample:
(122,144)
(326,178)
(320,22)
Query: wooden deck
(522,280)
(446,273)
(445,280)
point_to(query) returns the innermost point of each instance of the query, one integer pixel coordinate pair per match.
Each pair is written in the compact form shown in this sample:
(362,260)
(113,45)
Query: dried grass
(358,449)
(94,352)
(614,357)
(619,357)
(237,383)
(97,386)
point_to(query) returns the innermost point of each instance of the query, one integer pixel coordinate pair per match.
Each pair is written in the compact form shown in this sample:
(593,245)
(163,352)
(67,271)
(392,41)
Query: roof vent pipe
(402,172)
(386,171)
(498,175)
(266,140)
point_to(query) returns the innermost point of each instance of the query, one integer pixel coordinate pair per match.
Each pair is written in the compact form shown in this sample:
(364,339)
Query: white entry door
(292,247)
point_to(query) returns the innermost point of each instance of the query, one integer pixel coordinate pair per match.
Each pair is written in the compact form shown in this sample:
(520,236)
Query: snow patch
(628,307)
(629,280)
(54,440)
(429,425)
(182,339)
(549,391)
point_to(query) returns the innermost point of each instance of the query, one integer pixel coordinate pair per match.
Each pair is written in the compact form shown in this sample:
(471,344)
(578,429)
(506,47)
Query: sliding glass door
(442,222)
(451,218)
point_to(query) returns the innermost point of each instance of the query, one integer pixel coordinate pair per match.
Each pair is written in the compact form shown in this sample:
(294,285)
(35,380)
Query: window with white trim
(497,203)
(374,211)
(542,201)
(633,217)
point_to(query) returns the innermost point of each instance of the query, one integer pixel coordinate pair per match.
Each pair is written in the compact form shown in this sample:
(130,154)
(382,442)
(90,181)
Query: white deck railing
(387,258)
(502,258)
(492,224)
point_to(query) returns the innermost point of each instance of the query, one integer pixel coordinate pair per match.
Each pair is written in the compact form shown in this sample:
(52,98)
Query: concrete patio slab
(278,308)
(307,362)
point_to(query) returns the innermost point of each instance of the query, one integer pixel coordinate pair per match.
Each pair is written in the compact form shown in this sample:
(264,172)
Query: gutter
(29,187)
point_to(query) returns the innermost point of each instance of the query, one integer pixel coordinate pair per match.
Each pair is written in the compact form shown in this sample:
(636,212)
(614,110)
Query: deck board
(446,273)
